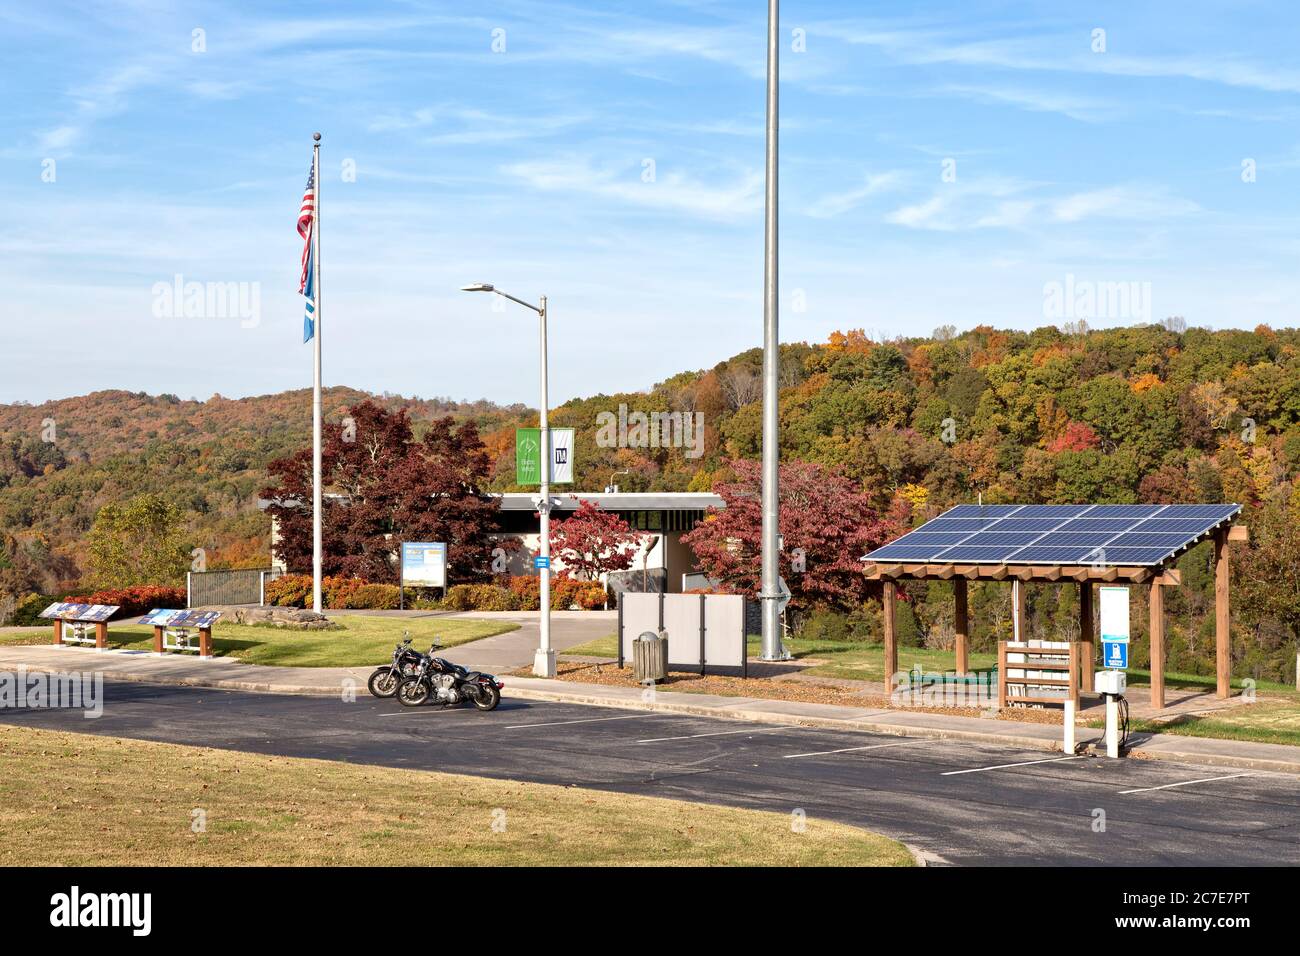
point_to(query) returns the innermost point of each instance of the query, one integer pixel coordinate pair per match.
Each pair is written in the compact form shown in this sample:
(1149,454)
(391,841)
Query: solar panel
(1057,534)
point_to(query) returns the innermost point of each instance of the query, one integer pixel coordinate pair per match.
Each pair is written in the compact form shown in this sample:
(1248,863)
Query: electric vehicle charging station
(1113,683)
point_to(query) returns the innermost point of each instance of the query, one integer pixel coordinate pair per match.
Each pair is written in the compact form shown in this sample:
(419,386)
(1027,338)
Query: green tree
(140,542)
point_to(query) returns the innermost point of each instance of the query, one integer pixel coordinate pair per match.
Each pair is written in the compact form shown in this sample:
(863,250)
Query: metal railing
(235,586)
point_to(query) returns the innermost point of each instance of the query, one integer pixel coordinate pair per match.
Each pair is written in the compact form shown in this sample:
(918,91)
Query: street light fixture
(544,659)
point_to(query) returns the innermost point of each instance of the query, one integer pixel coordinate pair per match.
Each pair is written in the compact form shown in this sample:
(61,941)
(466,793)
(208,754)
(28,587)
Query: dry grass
(77,799)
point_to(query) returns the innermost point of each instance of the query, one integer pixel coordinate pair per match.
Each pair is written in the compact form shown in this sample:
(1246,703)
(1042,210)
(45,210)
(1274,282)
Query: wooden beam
(1239,532)
(1019,631)
(961,626)
(968,570)
(940,571)
(891,644)
(1156,597)
(1222,619)
(1052,574)
(1087,636)
(1171,578)
(997,574)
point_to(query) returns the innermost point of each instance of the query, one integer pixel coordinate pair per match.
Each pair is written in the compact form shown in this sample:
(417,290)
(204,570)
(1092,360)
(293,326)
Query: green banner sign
(528,456)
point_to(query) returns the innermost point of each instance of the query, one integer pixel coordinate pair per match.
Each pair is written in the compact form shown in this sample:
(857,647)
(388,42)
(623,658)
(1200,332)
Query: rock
(295,618)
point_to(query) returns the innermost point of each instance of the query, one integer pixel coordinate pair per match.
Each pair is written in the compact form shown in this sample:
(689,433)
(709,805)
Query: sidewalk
(330,681)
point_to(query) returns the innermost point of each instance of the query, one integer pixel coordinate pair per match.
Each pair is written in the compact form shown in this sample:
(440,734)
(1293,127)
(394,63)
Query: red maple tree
(593,541)
(384,487)
(826,525)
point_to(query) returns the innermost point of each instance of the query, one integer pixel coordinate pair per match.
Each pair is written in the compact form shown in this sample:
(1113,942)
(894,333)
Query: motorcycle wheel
(412,692)
(487,698)
(383,682)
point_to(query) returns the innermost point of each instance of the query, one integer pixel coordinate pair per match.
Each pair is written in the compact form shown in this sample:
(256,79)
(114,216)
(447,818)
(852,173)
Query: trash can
(650,657)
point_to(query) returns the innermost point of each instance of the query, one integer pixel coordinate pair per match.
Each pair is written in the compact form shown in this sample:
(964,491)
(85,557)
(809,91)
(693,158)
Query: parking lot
(954,801)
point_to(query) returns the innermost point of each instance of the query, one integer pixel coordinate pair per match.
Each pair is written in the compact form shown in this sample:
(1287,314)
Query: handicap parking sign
(541,561)
(1114,654)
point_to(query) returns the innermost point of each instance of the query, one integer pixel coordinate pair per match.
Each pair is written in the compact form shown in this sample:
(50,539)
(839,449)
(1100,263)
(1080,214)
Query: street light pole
(771,581)
(544,658)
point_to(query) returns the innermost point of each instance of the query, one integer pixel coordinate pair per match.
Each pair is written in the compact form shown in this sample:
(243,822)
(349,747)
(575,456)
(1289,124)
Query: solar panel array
(1140,535)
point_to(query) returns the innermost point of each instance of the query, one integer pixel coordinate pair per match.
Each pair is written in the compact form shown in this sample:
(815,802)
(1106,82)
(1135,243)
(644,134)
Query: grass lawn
(858,660)
(360,640)
(853,660)
(81,799)
(1268,722)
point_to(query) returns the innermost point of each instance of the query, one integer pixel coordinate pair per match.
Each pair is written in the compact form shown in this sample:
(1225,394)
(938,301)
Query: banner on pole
(528,456)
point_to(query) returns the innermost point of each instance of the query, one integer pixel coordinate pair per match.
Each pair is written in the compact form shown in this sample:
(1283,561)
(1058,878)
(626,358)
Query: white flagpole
(315,397)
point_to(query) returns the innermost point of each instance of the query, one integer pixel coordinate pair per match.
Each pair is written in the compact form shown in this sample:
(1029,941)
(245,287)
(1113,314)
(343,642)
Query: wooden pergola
(1084,576)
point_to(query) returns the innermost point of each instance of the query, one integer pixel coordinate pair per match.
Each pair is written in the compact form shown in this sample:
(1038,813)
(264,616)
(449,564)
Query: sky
(1012,164)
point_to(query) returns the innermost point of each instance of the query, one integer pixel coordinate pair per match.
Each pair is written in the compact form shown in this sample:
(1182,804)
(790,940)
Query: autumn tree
(826,525)
(384,487)
(592,542)
(140,542)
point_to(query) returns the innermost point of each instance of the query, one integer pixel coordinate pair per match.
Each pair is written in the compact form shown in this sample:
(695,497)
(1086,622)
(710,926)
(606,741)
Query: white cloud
(838,203)
(671,190)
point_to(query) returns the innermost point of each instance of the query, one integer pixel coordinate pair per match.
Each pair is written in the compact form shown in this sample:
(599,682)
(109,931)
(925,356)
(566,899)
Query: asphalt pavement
(955,801)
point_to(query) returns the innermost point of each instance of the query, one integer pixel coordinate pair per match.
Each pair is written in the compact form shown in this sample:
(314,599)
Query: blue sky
(528,167)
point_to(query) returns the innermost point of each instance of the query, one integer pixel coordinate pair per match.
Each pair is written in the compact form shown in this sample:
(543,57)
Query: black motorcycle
(446,683)
(406,662)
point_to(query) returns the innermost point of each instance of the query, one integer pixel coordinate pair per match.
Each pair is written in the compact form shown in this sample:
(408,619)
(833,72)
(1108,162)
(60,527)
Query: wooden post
(157,639)
(1222,634)
(891,642)
(58,631)
(101,634)
(1157,600)
(1019,631)
(1002,675)
(961,626)
(1073,675)
(1087,636)
(205,642)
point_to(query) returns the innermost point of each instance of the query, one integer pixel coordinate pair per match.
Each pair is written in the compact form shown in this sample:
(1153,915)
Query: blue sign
(541,561)
(1114,654)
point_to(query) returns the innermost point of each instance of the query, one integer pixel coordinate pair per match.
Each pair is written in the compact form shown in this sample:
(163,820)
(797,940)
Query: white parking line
(584,720)
(1003,766)
(1188,783)
(718,733)
(845,750)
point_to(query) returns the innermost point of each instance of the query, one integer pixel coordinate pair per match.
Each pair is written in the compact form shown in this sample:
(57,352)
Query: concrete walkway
(333,681)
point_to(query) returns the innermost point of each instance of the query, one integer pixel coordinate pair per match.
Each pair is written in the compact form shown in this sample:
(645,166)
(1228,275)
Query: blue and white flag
(306,229)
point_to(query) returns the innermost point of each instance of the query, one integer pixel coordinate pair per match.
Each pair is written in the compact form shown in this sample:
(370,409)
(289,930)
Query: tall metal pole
(544,659)
(772,649)
(315,396)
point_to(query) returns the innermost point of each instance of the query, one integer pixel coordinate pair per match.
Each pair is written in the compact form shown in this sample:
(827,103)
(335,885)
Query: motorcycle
(406,662)
(447,683)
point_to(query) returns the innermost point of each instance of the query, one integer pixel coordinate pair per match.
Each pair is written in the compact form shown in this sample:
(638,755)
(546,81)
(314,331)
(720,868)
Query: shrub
(375,597)
(294,590)
(826,626)
(29,606)
(289,590)
(480,597)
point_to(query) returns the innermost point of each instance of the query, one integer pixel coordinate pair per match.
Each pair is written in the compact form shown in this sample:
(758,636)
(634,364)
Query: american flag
(307,216)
